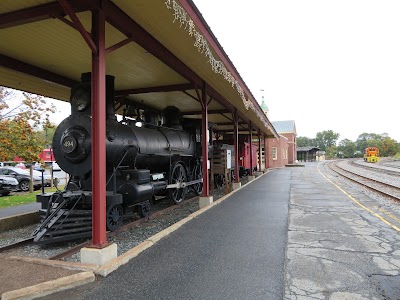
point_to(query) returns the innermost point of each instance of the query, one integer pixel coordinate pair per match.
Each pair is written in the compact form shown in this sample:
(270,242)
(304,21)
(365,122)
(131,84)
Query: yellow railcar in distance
(371,154)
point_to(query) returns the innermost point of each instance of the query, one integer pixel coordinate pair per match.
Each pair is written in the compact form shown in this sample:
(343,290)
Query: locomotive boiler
(141,163)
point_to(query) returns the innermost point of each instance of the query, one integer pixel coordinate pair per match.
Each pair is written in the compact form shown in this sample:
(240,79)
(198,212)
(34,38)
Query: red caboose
(47,155)
(244,153)
(244,156)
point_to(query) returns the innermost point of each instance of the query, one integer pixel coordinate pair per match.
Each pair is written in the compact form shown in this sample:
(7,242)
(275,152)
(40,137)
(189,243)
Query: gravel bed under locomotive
(141,163)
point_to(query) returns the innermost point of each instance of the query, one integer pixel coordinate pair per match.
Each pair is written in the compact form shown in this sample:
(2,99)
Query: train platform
(293,233)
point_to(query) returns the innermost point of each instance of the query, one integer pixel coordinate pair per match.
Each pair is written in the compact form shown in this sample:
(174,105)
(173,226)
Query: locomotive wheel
(178,175)
(115,215)
(197,174)
(145,209)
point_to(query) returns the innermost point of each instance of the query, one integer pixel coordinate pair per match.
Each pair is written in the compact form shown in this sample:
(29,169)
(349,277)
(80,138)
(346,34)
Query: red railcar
(244,153)
(47,155)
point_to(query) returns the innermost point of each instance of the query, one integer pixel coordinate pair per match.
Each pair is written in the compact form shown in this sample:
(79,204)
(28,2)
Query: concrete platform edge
(56,263)
(49,287)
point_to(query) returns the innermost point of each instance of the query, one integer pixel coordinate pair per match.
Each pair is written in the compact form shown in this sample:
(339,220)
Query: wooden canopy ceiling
(160,51)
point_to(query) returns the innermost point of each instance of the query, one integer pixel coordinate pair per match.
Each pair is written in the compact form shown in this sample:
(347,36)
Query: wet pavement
(336,248)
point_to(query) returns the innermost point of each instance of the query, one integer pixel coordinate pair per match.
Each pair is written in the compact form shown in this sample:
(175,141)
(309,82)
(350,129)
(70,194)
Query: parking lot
(16,179)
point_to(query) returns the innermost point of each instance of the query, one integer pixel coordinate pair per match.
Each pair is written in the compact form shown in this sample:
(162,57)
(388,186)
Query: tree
(331,152)
(388,147)
(347,148)
(45,136)
(326,139)
(19,123)
(303,141)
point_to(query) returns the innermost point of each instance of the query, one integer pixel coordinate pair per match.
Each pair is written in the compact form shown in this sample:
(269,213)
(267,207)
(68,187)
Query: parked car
(46,176)
(23,177)
(21,166)
(7,185)
(53,165)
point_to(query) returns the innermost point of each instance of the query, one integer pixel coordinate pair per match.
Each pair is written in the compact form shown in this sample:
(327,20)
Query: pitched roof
(306,149)
(285,126)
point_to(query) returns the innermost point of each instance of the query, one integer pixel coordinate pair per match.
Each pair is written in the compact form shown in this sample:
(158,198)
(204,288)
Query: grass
(22,198)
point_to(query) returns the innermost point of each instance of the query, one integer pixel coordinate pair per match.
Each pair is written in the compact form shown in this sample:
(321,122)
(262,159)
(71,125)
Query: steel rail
(136,223)
(337,169)
(16,244)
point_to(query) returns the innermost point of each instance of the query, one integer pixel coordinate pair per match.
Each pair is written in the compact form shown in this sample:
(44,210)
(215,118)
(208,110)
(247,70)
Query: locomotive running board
(181,185)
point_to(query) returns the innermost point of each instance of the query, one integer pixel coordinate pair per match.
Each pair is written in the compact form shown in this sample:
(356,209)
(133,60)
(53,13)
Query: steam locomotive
(162,157)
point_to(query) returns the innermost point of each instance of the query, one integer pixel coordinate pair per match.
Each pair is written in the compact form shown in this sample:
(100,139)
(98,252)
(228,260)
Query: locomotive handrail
(120,162)
(49,218)
(69,211)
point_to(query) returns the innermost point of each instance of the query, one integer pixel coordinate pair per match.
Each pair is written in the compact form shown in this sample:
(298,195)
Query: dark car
(7,185)
(23,177)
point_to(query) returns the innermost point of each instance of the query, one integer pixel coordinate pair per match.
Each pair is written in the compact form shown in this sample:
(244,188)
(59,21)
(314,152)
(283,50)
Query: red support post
(251,149)
(259,152)
(205,139)
(236,145)
(99,239)
(265,152)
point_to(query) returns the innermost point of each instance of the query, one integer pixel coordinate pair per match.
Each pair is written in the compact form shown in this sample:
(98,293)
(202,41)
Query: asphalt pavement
(236,250)
(20,209)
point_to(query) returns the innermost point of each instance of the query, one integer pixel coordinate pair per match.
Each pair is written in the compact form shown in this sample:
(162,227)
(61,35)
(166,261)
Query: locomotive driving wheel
(115,215)
(178,176)
(197,174)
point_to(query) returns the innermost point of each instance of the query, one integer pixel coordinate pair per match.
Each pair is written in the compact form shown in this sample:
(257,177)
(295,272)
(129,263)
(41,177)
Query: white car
(46,176)
(7,184)
(53,165)
(23,177)
(56,167)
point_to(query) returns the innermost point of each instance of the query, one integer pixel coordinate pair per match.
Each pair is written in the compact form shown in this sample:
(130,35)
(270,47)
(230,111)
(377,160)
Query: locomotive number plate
(69,144)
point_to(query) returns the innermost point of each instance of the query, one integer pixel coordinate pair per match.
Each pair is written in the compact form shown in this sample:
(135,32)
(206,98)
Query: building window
(274,153)
(287,153)
(283,153)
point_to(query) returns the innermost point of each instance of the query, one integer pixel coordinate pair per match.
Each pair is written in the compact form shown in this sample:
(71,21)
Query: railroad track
(383,188)
(161,209)
(377,168)
(17,244)
(71,251)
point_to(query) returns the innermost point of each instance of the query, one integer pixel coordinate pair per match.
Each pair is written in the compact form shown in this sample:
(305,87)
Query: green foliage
(397,156)
(326,139)
(331,152)
(45,136)
(303,141)
(15,199)
(20,122)
(346,148)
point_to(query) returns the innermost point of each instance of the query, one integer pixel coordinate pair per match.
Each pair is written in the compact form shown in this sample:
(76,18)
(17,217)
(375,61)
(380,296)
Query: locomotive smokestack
(81,101)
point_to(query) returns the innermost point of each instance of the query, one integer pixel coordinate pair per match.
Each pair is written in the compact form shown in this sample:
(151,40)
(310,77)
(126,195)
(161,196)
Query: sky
(327,64)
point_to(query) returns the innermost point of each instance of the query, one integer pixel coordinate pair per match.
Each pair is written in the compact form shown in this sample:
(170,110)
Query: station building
(281,150)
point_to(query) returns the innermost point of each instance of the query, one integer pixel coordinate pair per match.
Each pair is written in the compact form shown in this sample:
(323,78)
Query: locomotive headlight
(80,99)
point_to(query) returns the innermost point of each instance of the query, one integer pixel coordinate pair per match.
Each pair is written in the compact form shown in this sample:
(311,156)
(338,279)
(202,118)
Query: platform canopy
(161,53)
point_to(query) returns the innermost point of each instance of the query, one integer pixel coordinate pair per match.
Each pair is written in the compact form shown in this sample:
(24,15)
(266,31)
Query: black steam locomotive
(162,157)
